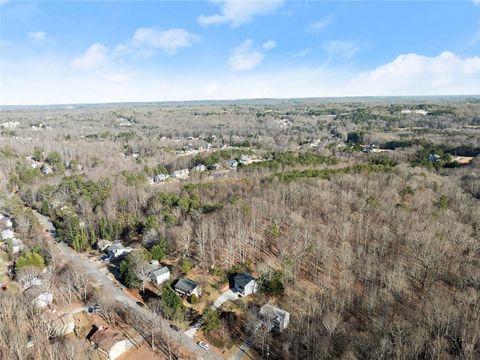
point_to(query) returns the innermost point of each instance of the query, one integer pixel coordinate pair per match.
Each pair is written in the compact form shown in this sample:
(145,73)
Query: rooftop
(272,312)
(186,285)
(34,291)
(242,279)
(107,338)
(160,271)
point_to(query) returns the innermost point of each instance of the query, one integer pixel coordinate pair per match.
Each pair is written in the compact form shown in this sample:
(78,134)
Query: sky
(63,52)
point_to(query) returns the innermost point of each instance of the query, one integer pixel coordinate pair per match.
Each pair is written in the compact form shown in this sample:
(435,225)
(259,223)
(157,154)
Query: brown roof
(58,318)
(34,291)
(107,338)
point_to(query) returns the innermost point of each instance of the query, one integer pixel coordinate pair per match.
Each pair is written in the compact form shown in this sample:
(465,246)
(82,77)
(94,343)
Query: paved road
(242,350)
(118,295)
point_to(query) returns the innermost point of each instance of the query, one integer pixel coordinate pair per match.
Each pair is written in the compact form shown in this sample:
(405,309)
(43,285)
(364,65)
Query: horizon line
(366,97)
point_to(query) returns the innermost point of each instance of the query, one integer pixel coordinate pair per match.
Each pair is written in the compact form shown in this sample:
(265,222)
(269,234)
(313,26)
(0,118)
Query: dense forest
(361,219)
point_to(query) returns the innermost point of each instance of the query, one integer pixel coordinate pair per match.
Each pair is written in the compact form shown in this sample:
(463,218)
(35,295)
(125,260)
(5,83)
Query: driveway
(228,295)
(242,350)
(118,295)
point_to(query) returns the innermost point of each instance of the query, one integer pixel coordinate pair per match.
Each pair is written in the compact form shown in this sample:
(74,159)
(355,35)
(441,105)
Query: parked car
(202,345)
(141,304)
(93,308)
(174,327)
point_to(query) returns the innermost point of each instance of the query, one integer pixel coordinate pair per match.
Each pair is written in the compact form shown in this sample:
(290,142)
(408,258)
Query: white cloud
(37,35)
(170,40)
(238,12)
(303,52)
(340,49)
(94,57)
(413,74)
(321,24)
(269,45)
(49,80)
(245,56)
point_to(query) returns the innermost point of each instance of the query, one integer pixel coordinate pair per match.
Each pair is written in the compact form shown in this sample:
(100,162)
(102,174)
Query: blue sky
(70,52)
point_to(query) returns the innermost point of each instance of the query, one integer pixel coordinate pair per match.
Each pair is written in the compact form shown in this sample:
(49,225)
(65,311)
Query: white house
(17,245)
(46,170)
(232,164)
(187,287)
(245,160)
(5,222)
(199,168)
(7,234)
(29,282)
(112,343)
(160,177)
(38,296)
(181,174)
(244,284)
(103,244)
(160,275)
(116,250)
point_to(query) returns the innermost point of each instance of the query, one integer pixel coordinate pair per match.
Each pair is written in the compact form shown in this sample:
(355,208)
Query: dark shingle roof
(242,279)
(186,285)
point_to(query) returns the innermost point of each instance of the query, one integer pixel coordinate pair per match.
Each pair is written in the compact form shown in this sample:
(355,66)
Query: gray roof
(115,247)
(160,271)
(186,285)
(242,279)
(272,312)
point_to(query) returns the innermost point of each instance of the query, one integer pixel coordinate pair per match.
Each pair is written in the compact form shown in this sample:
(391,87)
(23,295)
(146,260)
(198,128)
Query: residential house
(160,177)
(244,284)
(38,296)
(103,244)
(8,234)
(274,318)
(187,287)
(46,170)
(245,160)
(199,168)
(232,164)
(116,250)
(181,174)
(62,323)
(17,245)
(159,275)
(30,281)
(112,343)
(5,222)
(433,157)
(369,148)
